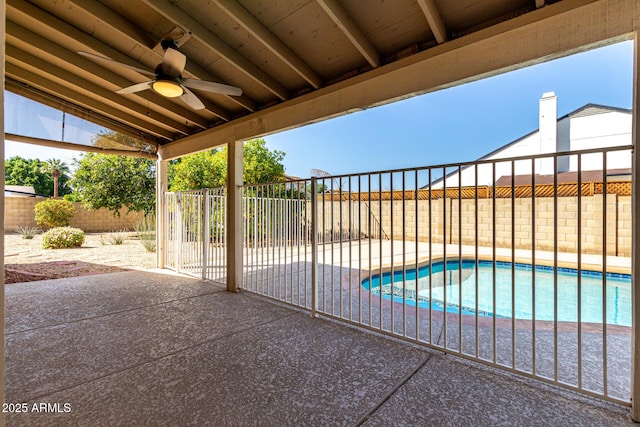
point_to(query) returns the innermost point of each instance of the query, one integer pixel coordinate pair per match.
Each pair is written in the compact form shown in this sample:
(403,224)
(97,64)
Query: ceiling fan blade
(120,64)
(212,87)
(191,100)
(174,62)
(135,88)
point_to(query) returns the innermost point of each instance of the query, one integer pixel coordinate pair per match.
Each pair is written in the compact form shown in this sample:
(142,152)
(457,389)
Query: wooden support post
(2,49)
(635,230)
(161,189)
(234,216)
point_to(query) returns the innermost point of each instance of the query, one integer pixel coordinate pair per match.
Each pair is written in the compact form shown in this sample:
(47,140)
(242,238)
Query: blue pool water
(618,294)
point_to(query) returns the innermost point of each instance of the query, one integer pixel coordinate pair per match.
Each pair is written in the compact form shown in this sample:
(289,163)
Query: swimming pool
(618,306)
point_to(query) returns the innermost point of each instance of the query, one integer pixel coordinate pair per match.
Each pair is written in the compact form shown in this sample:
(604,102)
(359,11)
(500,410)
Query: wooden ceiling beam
(44,84)
(434,19)
(79,147)
(18,35)
(242,16)
(117,24)
(177,16)
(75,40)
(342,19)
(114,21)
(54,28)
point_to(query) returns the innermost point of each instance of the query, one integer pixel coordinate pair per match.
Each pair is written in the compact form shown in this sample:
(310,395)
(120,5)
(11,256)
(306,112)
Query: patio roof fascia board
(523,41)
(77,147)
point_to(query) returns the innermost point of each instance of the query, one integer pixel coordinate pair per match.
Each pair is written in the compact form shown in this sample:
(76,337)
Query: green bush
(62,237)
(54,213)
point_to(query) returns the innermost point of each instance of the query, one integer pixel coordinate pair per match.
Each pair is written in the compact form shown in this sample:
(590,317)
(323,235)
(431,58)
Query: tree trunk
(55,174)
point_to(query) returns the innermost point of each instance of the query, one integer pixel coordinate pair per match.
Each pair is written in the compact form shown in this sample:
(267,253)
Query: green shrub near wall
(63,237)
(54,213)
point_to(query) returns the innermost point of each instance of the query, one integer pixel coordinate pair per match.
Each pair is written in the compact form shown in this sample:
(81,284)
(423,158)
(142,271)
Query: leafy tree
(110,181)
(260,163)
(56,168)
(209,169)
(21,171)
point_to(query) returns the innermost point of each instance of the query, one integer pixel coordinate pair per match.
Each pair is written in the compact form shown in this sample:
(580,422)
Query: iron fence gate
(195,233)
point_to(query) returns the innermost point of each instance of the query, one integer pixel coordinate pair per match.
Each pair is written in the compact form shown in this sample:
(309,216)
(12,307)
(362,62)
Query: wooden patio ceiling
(296,61)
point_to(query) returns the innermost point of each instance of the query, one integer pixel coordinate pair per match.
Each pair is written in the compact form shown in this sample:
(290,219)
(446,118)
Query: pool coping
(424,261)
(500,322)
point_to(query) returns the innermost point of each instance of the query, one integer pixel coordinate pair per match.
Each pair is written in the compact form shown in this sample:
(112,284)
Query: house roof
(592,109)
(296,62)
(20,190)
(564,177)
(585,110)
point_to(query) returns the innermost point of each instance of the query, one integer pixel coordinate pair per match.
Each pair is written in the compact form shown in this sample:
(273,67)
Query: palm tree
(56,168)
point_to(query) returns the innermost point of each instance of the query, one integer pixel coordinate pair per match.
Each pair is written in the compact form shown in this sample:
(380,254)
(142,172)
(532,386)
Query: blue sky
(458,124)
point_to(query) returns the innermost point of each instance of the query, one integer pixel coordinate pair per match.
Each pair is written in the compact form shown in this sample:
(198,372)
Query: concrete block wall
(554,225)
(347,218)
(19,212)
(454,221)
(624,225)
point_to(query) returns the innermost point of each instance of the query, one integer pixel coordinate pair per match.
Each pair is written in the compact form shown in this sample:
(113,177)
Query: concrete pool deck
(284,275)
(142,348)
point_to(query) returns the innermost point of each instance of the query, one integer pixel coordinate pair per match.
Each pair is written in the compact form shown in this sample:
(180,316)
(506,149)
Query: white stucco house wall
(591,126)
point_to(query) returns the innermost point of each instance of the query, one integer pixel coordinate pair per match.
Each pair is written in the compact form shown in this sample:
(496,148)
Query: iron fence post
(178,250)
(314,248)
(205,235)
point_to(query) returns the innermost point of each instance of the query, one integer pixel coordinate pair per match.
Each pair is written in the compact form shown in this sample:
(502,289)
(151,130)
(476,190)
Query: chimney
(548,130)
(548,122)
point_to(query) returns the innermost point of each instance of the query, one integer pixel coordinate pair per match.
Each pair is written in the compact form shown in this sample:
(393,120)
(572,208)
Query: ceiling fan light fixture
(167,88)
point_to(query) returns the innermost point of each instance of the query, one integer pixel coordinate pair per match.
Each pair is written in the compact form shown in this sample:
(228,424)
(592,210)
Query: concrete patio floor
(145,348)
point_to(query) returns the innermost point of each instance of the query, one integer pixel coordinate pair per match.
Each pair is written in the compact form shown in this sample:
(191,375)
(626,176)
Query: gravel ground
(25,260)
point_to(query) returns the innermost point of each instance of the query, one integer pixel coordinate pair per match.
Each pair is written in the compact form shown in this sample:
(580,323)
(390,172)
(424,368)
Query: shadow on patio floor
(142,348)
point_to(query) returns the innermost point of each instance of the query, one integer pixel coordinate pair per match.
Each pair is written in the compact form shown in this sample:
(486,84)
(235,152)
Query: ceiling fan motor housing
(169,43)
(167,72)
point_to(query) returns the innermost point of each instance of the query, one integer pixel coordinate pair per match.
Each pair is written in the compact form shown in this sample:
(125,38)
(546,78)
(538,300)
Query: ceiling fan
(167,78)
